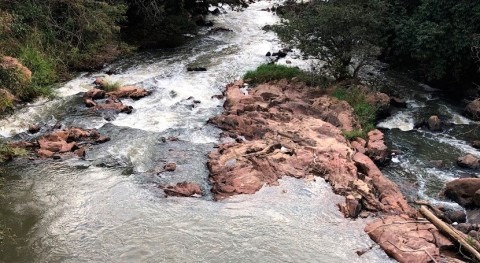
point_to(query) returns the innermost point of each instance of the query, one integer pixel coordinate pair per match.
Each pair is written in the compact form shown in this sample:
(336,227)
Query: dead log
(451,233)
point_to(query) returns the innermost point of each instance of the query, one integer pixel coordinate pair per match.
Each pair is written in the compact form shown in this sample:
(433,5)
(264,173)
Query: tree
(345,34)
(435,37)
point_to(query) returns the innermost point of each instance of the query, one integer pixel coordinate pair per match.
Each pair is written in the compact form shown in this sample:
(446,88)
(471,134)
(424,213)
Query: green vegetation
(111,86)
(363,110)
(433,37)
(8,152)
(344,33)
(270,72)
(55,37)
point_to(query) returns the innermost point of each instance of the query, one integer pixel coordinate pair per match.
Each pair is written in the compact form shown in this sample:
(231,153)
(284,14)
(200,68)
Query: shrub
(363,110)
(268,72)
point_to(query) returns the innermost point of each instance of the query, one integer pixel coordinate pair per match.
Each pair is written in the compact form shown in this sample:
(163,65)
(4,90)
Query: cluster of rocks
(62,142)
(100,100)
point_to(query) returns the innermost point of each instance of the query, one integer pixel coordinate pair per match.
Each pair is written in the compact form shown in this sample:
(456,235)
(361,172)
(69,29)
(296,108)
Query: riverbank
(285,128)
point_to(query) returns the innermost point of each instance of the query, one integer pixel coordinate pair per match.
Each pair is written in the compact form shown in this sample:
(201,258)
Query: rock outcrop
(112,103)
(68,142)
(408,240)
(284,129)
(291,132)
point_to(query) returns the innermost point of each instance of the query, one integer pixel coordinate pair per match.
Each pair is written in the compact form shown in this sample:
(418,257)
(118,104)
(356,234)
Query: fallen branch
(452,233)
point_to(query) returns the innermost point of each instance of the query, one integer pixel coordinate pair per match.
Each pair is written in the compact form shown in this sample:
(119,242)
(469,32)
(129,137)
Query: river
(108,207)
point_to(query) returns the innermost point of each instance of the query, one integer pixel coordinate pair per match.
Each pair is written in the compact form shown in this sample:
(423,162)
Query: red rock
(100,82)
(405,241)
(463,191)
(129,92)
(114,104)
(102,139)
(45,153)
(183,189)
(170,167)
(80,152)
(95,94)
(376,148)
(469,161)
(388,193)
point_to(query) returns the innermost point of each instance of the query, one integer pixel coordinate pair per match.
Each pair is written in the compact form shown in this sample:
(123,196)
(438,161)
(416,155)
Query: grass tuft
(111,86)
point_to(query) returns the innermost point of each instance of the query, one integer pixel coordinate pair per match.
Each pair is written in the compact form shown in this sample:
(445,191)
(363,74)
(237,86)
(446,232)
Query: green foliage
(111,86)
(268,72)
(343,33)
(363,110)
(437,36)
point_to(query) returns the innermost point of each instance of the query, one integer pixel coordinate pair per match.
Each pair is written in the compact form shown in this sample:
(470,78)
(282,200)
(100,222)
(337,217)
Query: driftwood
(451,233)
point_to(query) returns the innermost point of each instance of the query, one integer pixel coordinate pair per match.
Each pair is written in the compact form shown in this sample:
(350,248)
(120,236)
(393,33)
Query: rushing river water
(416,169)
(108,207)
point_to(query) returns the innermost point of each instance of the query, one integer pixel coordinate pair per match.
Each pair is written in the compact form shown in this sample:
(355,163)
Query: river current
(108,207)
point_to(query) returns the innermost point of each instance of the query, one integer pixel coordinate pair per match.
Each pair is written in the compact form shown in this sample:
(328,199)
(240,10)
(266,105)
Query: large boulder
(468,161)
(464,191)
(473,109)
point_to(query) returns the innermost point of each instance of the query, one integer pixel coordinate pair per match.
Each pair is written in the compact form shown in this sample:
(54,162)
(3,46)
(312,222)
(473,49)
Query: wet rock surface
(464,191)
(408,240)
(66,142)
(109,103)
(183,189)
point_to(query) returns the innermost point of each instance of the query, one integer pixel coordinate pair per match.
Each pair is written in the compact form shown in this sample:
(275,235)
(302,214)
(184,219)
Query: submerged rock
(67,141)
(183,189)
(131,92)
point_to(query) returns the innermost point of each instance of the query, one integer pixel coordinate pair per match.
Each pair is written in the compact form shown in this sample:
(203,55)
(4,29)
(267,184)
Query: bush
(269,72)
(111,86)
